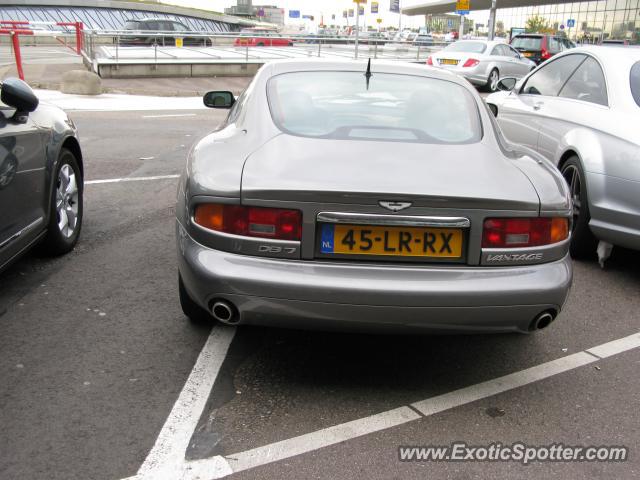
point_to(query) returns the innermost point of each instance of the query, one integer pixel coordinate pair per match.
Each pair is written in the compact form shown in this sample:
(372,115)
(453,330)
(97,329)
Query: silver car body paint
(249,161)
(606,139)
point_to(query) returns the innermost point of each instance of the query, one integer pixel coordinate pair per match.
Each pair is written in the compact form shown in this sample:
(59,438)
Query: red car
(262,39)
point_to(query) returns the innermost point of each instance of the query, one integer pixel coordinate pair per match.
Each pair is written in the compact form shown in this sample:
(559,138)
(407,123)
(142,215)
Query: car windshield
(394,107)
(471,47)
(634,80)
(527,43)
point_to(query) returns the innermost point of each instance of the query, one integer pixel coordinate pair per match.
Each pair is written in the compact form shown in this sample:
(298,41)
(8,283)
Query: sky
(320,8)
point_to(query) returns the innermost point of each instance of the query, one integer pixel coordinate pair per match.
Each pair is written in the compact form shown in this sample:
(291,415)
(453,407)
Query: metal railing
(128,46)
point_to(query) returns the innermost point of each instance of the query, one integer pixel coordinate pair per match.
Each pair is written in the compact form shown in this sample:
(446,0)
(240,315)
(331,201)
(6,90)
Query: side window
(634,81)
(549,79)
(587,84)
(237,108)
(511,52)
(554,45)
(497,50)
(153,26)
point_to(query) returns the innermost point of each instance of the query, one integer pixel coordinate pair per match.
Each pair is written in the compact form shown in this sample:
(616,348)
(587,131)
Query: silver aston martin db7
(374,195)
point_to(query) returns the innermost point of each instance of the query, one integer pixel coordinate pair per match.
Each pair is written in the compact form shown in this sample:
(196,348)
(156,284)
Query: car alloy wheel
(572,177)
(67,201)
(583,242)
(492,83)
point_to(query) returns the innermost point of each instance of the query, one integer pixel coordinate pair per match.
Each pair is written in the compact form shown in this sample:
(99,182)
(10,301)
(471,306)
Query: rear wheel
(492,80)
(65,215)
(191,309)
(583,242)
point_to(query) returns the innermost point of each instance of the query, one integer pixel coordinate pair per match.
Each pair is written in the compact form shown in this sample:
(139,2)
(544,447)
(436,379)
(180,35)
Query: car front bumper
(368,296)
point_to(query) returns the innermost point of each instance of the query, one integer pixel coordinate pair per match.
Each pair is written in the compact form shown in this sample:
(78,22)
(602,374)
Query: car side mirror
(507,84)
(218,99)
(17,94)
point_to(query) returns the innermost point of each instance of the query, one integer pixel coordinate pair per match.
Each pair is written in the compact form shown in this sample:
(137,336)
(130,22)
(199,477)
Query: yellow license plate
(391,241)
(528,54)
(448,61)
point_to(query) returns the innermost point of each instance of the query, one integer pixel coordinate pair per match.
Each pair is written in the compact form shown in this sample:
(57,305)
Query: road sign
(562,27)
(374,7)
(360,1)
(360,10)
(294,13)
(345,14)
(351,12)
(462,7)
(394,6)
(450,23)
(571,23)
(379,20)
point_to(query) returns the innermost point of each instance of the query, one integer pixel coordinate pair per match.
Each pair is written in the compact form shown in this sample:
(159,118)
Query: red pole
(16,50)
(79,38)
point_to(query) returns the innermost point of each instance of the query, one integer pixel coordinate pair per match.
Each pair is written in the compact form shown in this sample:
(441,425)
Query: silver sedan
(482,62)
(380,195)
(581,110)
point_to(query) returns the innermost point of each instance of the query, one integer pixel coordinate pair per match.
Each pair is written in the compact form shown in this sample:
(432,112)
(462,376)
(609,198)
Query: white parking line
(166,460)
(130,179)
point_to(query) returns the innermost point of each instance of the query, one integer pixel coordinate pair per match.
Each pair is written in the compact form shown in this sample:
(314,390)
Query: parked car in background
(581,110)
(40,175)
(262,38)
(482,62)
(378,195)
(168,31)
(540,47)
(423,39)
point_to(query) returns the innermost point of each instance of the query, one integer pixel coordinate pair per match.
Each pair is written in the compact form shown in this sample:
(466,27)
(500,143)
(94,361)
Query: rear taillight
(472,62)
(276,223)
(544,53)
(429,61)
(523,232)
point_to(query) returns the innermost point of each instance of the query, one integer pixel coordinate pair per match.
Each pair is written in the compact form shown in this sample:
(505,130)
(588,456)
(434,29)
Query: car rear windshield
(393,107)
(471,47)
(527,43)
(634,79)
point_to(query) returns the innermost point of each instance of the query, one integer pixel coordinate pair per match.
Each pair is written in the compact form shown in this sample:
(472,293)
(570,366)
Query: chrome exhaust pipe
(224,312)
(543,320)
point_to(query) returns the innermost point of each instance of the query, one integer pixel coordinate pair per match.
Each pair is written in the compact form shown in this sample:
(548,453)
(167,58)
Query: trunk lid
(298,169)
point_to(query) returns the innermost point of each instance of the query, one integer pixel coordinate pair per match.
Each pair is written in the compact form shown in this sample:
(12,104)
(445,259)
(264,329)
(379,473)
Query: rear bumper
(477,75)
(328,295)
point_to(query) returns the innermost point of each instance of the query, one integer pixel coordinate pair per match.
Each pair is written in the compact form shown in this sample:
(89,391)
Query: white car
(581,110)
(482,62)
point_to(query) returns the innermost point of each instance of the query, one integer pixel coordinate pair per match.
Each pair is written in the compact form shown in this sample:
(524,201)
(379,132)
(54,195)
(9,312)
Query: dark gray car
(40,175)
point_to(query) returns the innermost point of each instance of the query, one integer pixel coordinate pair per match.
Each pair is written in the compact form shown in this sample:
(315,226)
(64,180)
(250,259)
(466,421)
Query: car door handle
(538,105)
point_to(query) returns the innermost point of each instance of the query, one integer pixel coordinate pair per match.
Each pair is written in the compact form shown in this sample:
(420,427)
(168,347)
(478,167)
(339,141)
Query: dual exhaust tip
(225,312)
(542,320)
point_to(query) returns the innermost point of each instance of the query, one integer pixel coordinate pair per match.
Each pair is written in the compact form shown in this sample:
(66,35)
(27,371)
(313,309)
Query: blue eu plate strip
(326,239)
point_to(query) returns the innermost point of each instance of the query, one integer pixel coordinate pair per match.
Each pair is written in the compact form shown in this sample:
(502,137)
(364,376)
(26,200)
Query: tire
(191,309)
(492,81)
(583,242)
(65,211)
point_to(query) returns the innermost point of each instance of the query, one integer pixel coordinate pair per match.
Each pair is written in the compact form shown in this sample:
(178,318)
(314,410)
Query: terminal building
(113,14)
(583,22)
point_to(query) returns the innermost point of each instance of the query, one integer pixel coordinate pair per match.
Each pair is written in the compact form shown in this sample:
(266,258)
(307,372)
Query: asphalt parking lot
(96,354)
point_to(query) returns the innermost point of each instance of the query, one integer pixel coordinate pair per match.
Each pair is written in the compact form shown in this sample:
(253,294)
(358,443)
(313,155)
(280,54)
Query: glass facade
(593,21)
